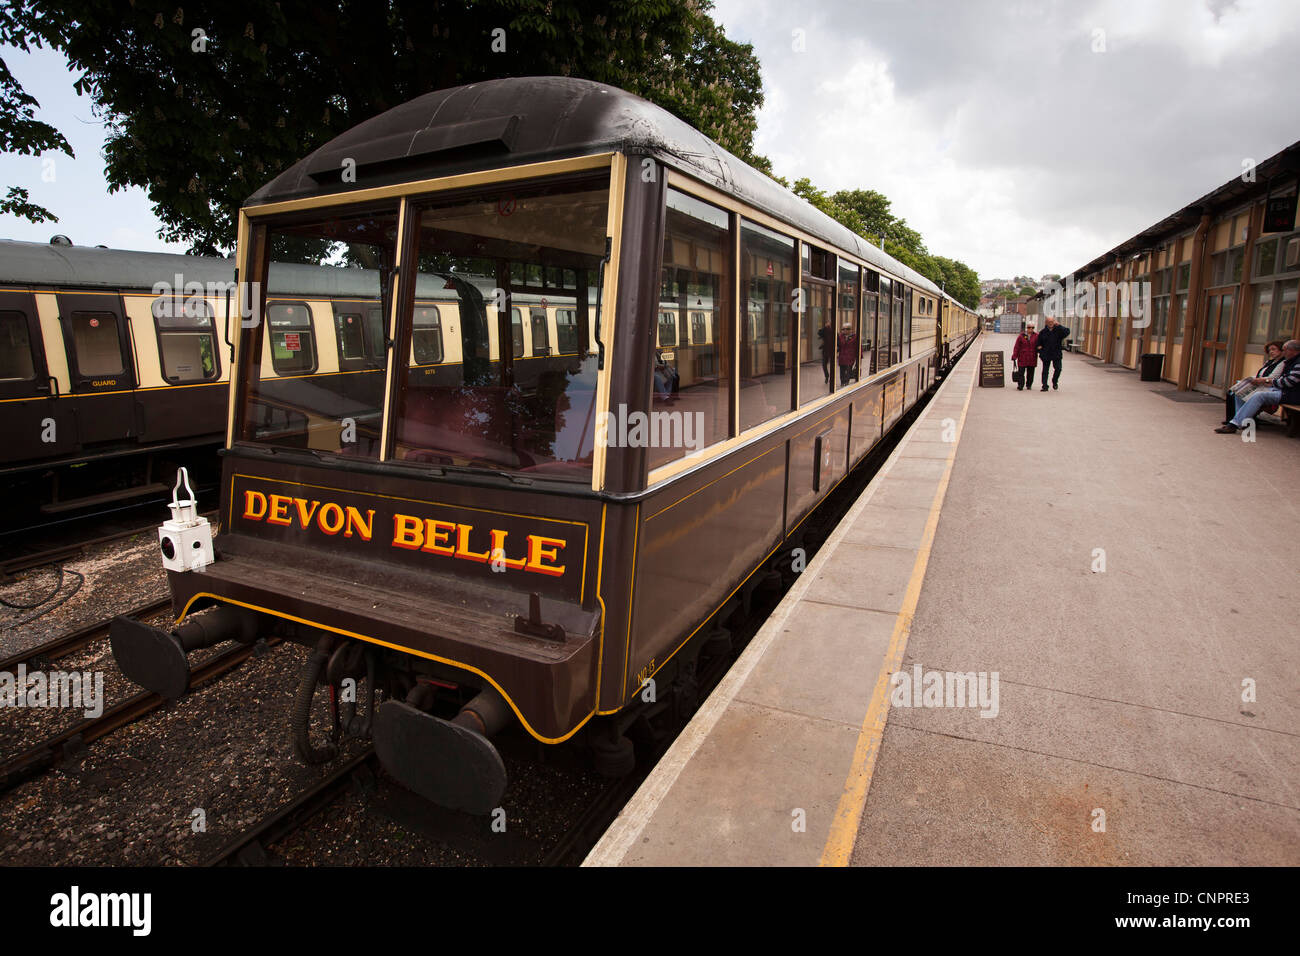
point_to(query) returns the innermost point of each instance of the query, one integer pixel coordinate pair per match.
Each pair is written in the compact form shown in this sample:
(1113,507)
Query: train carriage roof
(519,120)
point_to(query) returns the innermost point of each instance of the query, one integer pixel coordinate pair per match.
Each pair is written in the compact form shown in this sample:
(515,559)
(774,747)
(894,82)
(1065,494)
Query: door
(33,422)
(101,367)
(1216,328)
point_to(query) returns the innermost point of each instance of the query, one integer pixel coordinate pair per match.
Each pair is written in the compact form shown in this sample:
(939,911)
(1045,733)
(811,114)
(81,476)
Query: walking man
(1282,390)
(1049,348)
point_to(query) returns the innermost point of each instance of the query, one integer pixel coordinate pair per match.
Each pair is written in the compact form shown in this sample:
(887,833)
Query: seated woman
(1271,369)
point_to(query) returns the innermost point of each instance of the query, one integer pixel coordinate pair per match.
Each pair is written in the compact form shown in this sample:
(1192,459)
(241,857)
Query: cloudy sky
(1020,136)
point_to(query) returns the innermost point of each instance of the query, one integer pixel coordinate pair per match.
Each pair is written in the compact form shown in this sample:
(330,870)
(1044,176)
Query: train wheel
(614,756)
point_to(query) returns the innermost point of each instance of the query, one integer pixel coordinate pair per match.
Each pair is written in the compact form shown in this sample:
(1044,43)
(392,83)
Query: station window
(692,387)
(1265,256)
(98,347)
(426,335)
(1260,314)
(16,363)
(187,339)
(1283,325)
(1291,258)
(766,374)
(293,342)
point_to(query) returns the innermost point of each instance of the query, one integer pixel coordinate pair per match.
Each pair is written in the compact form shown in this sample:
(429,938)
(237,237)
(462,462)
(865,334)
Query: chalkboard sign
(991,372)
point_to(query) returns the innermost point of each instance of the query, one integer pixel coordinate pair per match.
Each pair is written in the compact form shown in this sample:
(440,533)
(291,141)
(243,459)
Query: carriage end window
(293,344)
(187,340)
(15,348)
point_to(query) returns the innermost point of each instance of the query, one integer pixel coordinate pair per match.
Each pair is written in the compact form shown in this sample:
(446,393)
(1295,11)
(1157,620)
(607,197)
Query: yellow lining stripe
(397,647)
(848,814)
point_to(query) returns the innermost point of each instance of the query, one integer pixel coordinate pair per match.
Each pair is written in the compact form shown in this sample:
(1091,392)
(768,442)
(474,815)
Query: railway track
(44,655)
(53,749)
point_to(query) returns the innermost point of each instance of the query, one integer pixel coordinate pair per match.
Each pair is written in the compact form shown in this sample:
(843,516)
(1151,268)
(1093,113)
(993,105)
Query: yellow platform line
(848,813)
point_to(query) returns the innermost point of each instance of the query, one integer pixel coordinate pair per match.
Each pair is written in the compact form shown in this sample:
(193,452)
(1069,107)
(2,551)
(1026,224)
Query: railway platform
(1055,629)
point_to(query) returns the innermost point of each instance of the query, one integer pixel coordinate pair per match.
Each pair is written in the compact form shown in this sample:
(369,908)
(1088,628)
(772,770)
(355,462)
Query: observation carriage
(473,528)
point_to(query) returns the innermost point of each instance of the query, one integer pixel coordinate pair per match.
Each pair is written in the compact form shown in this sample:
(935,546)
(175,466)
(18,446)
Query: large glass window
(512,256)
(187,339)
(767,283)
(870,303)
(348,257)
(1259,316)
(690,400)
(846,326)
(816,341)
(884,348)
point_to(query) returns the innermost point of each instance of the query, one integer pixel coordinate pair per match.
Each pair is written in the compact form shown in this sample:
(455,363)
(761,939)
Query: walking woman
(1025,357)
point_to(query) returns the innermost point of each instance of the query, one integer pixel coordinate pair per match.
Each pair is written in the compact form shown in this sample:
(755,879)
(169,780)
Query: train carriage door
(29,426)
(101,366)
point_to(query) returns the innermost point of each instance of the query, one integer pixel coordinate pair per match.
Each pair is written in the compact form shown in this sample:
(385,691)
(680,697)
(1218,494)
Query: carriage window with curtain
(847,349)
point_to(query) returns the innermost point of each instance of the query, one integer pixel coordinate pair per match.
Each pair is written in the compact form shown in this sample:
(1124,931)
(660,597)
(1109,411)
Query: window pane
(375,334)
(1265,257)
(15,348)
(691,393)
(767,282)
(293,342)
(348,256)
(1292,259)
(846,335)
(529,410)
(566,330)
(541,334)
(426,335)
(1260,315)
(347,328)
(177,312)
(1284,318)
(816,342)
(188,356)
(99,351)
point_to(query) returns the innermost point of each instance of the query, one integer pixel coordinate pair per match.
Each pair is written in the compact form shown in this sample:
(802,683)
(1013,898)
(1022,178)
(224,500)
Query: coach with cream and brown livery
(513,541)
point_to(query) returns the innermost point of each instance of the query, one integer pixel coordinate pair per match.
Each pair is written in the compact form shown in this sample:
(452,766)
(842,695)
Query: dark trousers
(826,365)
(1027,375)
(1048,362)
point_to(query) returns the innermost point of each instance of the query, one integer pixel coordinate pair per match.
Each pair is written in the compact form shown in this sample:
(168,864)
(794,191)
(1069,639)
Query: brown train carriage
(530,546)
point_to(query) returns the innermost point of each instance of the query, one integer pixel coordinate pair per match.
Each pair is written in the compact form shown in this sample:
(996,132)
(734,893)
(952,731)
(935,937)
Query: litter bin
(1152,362)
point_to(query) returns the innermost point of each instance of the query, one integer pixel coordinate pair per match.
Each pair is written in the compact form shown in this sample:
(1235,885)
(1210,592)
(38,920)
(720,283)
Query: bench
(1292,415)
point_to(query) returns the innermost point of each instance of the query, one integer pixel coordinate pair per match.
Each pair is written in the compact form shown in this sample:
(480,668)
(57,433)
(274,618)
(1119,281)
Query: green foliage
(1027,290)
(201,121)
(867,213)
(20,131)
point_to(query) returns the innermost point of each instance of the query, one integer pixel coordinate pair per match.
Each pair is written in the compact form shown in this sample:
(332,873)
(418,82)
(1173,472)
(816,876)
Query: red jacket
(848,348)
(1025,353)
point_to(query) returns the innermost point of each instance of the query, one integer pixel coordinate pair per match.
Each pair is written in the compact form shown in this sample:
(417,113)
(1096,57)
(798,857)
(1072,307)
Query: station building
(1222,276)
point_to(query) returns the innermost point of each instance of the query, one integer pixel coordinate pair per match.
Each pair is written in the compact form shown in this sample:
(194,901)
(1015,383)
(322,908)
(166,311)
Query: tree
(206,101)
(1027,290)
(20,131)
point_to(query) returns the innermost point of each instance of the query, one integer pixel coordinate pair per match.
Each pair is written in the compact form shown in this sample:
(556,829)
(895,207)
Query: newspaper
(1243,388)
